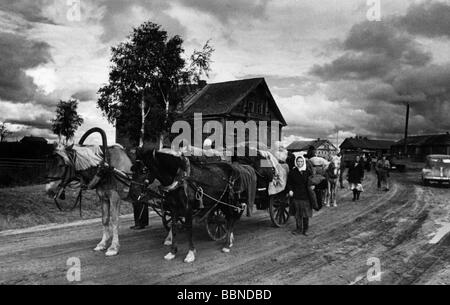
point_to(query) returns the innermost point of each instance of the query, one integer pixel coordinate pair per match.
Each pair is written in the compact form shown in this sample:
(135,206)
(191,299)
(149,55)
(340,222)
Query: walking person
(355,176)
(341,171)
(140,208)
(140,212)
(297,186)
(383,168)
(377,172)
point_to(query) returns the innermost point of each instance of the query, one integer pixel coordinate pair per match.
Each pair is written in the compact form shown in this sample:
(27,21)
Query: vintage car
(437,169)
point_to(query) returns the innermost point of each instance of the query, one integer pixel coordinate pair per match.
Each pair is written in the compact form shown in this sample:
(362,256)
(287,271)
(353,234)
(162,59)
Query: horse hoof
(226,250)
(100,248)
(169,256)
(112,252)
(190,257)
(167,243)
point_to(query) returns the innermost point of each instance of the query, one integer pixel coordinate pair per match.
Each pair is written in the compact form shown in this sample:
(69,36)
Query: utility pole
(406,129)
(337,139)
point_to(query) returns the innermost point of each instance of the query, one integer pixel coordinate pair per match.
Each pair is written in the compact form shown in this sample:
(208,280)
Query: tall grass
(27,206)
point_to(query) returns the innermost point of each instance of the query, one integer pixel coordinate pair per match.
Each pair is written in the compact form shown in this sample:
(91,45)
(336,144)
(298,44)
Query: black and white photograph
(204,144)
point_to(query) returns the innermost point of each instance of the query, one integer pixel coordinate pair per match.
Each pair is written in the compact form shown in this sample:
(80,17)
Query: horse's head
(161,166)
(335,165)
(59,170)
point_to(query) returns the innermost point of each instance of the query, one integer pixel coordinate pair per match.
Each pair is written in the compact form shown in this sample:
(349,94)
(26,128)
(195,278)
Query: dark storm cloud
(18,54)
(372,50)
(354,66)
(226,10)
(29,10)
(432,81)
(383,67)
(431,19)
(429,92)
(117,23)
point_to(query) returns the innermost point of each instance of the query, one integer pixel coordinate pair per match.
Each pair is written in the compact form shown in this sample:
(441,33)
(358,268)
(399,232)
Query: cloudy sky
(331,70)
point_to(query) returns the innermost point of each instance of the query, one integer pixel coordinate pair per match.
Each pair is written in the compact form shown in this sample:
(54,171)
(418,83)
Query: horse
(332,176)
(190,186)
(63,169)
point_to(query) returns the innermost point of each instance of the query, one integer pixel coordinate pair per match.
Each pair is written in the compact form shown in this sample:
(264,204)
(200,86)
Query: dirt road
(405,228)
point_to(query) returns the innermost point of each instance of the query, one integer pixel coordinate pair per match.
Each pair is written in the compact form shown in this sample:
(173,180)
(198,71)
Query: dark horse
(190,186)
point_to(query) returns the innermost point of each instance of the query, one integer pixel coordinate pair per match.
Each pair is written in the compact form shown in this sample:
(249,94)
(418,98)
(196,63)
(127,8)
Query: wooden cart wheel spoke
(279,215)
(286,214)
(217,231)
(282,218)
(278,209)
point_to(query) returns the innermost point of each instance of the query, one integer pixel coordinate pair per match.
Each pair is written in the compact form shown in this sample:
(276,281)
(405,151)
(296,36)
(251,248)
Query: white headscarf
(303,168)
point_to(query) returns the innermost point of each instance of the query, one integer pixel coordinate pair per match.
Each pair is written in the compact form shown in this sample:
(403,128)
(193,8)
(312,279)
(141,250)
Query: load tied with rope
(81,162)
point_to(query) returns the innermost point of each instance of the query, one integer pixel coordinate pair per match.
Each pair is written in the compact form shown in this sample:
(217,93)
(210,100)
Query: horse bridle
(67,178)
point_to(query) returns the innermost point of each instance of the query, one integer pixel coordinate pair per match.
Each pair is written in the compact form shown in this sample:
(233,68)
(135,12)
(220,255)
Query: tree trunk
(141,139)
(166,102)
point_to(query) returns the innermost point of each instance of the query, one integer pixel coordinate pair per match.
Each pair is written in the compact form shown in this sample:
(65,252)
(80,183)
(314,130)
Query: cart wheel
(216,225)
(279,210)
(167,221)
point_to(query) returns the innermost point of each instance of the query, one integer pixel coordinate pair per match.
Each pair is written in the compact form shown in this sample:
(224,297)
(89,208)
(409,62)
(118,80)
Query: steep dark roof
(221,98)
(426,140)
(364,143)
(304,145)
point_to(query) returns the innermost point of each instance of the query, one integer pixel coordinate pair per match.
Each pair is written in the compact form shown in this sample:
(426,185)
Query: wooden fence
(17,171)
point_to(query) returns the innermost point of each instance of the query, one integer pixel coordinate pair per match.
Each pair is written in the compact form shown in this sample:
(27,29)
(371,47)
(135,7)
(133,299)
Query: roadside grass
(22,207)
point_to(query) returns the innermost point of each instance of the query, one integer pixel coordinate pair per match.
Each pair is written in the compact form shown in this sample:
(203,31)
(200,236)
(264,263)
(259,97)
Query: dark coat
(355,172)
(298,183)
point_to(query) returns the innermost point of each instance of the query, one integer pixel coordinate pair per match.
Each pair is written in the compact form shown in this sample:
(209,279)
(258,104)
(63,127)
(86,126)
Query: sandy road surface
(405,228)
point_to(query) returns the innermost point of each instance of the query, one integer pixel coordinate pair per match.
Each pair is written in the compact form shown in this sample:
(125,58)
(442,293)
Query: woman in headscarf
(297,186)
(355,176)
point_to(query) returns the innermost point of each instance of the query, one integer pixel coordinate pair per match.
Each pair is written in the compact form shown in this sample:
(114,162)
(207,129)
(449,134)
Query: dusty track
(394,226)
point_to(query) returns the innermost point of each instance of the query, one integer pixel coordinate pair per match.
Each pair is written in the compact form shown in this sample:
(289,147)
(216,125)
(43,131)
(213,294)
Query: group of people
(299,183)
(355,174)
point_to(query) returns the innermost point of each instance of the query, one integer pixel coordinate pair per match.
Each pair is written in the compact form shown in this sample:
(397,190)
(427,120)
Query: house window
(259,109)
(250,107)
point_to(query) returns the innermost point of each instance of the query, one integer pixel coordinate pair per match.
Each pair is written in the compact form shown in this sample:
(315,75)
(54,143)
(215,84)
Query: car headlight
(426,171)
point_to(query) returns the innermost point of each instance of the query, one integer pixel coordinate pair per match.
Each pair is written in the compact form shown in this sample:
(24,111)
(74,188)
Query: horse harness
(184,179)
(71,175)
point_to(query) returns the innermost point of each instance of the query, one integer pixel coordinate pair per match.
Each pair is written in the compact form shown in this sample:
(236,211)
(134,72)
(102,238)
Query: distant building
(365,145)
(33,140)
(362,145)
(324,148)
(419,146)
(242,100)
